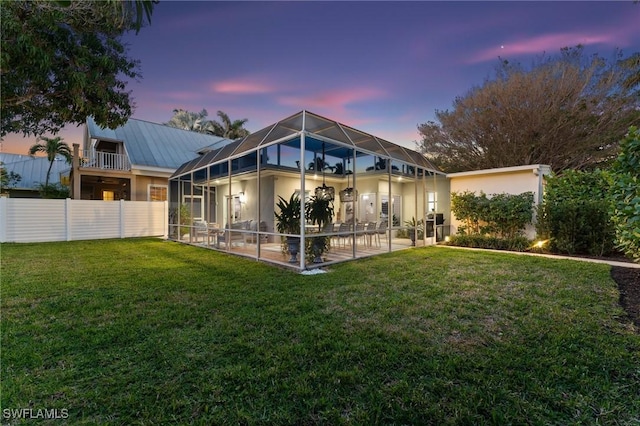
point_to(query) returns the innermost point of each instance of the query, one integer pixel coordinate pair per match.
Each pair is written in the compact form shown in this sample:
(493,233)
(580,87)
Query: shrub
(575,216)
(502,215)
(507,215)
(182,212)
(625,195)
(53,190)
(468,208)
(516,243)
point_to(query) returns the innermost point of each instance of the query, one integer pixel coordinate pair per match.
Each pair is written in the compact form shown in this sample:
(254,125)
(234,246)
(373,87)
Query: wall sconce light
(243,198)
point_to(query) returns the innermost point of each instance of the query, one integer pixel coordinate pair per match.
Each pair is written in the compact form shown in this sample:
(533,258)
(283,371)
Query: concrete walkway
(552,256)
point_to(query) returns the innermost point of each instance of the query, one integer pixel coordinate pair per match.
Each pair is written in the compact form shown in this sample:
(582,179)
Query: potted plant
(288,222)
(182,212)
(319,211)
(414,226)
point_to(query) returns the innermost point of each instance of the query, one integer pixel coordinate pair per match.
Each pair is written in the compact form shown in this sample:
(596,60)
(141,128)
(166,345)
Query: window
(195,205)
(157,193)
(108,195)
(395,209)
(367,208)
(234,206)
(432,202)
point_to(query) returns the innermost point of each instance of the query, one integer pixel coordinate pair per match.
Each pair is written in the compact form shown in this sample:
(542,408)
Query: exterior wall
(38,220)
(140,186)
(126,184)
(511,180)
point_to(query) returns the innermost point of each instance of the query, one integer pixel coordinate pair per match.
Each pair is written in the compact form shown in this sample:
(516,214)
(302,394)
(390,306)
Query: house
(33,173)
(224,194)
(134,161)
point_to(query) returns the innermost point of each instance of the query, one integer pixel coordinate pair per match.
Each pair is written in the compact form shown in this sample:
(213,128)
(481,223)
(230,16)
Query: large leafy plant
(318,211)
(288,218)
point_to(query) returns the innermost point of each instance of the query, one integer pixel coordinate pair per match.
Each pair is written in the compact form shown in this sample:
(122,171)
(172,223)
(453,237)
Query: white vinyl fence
(26,220)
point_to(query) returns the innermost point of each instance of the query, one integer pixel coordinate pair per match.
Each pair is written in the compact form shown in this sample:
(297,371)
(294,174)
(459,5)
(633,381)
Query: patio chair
(200,229)
(343,233)
(328,228)
(382,230)
(252,237)
(370,232)
(230,234)
(360,232)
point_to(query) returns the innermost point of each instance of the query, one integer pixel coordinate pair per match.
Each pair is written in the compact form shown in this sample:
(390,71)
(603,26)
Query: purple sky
(382,67)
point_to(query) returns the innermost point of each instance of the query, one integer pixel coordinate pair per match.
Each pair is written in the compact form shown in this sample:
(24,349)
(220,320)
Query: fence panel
(36,220)
(94,219)
(30,220)
(142,219)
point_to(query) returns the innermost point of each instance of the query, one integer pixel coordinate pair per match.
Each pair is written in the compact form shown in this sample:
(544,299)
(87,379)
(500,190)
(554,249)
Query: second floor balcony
(104,160)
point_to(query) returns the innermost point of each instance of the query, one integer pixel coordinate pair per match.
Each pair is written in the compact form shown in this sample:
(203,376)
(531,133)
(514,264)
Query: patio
(342,249)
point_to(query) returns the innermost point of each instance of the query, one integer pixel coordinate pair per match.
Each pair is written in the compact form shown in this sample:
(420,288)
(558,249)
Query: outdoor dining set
(367,233)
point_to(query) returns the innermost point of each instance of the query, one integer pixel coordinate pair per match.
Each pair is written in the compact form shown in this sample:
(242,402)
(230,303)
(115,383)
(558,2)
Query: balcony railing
(104,160)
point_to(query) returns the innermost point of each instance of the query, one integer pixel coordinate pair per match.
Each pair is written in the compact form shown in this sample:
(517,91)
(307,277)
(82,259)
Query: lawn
(144,331)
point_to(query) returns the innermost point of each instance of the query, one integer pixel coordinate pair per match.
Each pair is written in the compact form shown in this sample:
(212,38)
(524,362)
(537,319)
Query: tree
(194,121)
(52,147)
(63,61)
(229,129)
(198,122)
(567,111)
(8,179)
(625,194)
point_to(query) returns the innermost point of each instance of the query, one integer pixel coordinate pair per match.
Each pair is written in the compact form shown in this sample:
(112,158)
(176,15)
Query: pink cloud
(335,100)
(241,87)
(545,43)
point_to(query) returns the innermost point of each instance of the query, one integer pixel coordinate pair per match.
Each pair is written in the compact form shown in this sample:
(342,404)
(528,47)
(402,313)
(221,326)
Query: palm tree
(193,121)
(229,129)
(52,147)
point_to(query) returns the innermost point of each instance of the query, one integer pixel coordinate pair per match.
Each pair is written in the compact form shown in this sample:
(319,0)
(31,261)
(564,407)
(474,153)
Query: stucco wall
(141,184)
(510,180)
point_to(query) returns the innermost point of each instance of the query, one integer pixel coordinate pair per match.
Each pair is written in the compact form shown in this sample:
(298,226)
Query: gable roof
(156,145)
(33,170)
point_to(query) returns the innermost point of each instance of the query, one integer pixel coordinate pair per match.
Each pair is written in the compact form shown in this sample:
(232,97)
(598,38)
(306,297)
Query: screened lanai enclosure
(358,195)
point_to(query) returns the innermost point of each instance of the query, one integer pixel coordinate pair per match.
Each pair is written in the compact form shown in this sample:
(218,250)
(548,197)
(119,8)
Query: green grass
(151,332)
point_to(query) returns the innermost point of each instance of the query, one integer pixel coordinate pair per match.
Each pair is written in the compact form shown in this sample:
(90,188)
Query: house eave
(540,169)
(151,171)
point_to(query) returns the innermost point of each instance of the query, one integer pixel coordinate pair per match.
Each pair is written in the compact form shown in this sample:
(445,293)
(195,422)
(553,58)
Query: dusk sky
(382,67)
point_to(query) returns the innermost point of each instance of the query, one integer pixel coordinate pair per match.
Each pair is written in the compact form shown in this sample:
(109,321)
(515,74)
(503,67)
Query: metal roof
(317,129)
(156,145)
(33,170)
